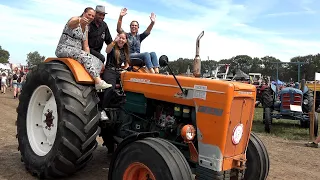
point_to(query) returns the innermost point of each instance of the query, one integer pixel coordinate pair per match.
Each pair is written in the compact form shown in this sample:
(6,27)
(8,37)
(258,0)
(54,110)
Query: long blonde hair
(126,50)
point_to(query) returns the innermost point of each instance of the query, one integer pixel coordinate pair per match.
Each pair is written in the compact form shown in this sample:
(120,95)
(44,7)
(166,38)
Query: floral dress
(70,46)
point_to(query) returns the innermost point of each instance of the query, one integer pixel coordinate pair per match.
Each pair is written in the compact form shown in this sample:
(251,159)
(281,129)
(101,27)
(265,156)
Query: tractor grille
(287,99)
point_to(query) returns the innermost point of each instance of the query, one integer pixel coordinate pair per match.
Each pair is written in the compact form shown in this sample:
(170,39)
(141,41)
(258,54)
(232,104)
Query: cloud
(229,28)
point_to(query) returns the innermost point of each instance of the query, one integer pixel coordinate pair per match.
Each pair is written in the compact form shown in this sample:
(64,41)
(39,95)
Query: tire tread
(74,151)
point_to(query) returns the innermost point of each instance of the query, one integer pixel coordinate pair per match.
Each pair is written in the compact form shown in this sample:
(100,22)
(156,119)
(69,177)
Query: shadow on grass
(288,129)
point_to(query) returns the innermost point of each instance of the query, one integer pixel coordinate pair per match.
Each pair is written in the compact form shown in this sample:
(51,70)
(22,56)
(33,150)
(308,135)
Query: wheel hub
(42,120)
(138,171)
(49,119)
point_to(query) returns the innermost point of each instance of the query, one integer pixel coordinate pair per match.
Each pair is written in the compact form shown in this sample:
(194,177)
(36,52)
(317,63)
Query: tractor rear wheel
(258,162)
(267,119)
(57,122)
(150,158)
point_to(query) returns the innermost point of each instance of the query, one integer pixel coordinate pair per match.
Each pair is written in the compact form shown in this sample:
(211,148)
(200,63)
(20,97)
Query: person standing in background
(3,83)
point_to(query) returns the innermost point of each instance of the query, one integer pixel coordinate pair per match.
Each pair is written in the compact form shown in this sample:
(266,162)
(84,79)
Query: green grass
(285,128)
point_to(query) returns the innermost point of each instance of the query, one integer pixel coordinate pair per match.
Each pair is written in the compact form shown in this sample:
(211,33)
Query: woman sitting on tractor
(135,39)
(74,44)
(119,59)
(118,51)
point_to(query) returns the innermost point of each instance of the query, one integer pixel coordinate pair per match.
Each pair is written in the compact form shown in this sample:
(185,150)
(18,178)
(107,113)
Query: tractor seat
(136,62)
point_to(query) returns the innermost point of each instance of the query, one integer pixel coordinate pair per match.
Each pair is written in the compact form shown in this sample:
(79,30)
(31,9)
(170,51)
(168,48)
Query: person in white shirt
(3,83)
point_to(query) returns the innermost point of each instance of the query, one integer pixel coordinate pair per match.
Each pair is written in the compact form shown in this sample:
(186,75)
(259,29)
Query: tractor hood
(243,86)
(290,90)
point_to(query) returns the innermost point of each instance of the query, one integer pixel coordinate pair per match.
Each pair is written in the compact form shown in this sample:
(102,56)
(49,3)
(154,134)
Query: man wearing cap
(98,33)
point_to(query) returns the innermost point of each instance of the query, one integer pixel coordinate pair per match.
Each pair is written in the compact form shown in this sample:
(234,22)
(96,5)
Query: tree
(34,58)
(4,55)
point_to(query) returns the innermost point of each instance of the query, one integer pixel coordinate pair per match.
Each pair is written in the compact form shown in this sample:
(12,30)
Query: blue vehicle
(288,103)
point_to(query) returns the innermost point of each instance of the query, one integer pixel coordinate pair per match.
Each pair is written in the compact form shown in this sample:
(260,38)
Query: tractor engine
(147,115)
(169,119)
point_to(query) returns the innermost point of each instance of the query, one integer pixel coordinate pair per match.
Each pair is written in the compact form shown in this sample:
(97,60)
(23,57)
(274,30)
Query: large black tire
(258,162)
(163,159)
(308,107)
(78,119)
(267,119)
(267,97)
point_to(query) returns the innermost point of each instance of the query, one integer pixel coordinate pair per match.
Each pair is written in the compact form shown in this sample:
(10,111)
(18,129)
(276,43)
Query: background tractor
(289,103)
(163,126)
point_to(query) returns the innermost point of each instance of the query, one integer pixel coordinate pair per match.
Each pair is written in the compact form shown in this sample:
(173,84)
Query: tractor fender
(128,140)
(79,72)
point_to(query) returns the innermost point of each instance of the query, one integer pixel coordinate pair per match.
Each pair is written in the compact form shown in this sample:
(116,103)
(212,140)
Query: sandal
(312,144)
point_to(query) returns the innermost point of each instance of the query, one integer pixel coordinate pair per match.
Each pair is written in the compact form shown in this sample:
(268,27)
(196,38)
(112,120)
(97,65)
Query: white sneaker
(104,116)
(102,85)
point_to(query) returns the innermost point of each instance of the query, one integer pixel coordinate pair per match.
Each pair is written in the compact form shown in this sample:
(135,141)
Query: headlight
(305,101)
(188,132)
(237,134)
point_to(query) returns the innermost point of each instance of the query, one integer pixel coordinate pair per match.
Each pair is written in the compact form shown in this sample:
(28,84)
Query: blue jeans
(150,59)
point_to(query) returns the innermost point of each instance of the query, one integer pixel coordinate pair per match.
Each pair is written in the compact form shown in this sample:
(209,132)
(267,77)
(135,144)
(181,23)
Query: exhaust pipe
(197,60)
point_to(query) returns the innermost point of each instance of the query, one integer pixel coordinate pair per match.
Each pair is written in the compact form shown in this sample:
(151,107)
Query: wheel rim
(138,171)
(42,118)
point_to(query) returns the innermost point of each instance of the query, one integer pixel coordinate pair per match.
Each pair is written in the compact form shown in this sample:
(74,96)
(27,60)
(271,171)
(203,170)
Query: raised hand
(123,12)
(153,17)
(84,21)
(116,39)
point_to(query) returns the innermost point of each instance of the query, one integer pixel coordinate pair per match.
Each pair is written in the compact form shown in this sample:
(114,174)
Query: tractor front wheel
(258,162)
(57,122)
(267,119)
(152,159)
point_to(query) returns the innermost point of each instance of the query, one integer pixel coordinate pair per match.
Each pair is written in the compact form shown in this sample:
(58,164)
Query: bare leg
(14,91)
(92,64)
(317,140)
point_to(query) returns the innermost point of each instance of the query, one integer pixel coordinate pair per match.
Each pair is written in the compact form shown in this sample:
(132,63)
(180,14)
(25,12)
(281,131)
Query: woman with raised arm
(118,51)
(135,39)
(74,44)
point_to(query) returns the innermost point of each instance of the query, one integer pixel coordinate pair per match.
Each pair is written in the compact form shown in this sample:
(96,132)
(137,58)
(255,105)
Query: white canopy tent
(5,66)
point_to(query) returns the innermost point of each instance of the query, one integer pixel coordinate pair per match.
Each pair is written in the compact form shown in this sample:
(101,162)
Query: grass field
(288,129)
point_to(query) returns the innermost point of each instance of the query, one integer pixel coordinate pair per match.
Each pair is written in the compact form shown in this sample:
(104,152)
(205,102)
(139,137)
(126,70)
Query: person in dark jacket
(99,33)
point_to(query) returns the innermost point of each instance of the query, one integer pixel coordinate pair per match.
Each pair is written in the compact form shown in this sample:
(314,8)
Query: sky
(279,28)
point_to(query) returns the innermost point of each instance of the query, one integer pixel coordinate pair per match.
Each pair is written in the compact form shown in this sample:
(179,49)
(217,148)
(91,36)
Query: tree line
(265,65)
(33,58)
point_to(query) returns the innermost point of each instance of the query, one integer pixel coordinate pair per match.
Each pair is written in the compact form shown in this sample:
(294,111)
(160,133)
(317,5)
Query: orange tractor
(164,127)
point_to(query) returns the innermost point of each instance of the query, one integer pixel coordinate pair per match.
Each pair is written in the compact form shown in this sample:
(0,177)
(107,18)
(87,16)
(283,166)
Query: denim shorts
(17,85)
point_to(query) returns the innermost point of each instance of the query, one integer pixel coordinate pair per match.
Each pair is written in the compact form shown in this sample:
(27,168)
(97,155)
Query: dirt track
(289,159)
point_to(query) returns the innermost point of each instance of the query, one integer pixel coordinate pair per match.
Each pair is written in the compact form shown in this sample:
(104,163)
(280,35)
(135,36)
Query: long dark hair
(126,50)
(86,10)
